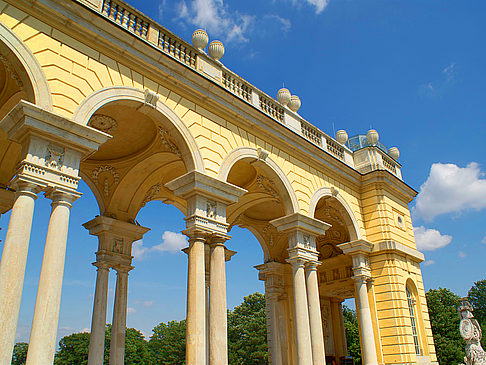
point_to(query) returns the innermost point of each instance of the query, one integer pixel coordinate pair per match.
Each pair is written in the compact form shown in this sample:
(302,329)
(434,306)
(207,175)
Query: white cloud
(461,254)
(430,239)
(148,303)
(483,240)
(131,310)
(284,22)
(437,87)
(320,5)
(172,242)
(429,262)
(451,189)
(216,18)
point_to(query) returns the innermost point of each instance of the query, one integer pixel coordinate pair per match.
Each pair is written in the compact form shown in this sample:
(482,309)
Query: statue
(471,333)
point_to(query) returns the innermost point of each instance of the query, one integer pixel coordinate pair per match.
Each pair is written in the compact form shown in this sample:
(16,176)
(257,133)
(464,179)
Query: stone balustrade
(143,27)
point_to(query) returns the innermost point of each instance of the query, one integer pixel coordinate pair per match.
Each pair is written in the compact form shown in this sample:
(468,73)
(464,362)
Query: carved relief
(118,246)
(95,175)
(103,123)
(11,71)
(166,140)
(211,209)
(267,185)
(151,193)
(151,98)
(54,156)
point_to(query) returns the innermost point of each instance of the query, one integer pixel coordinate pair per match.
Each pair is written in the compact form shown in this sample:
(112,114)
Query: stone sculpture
(471,332)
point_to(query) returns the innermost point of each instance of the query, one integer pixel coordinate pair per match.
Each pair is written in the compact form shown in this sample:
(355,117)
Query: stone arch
(25,59)
(351,222)
(292,204)
(104,96)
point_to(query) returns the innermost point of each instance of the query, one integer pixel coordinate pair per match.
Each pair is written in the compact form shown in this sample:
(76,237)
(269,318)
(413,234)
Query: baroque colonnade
(207,199)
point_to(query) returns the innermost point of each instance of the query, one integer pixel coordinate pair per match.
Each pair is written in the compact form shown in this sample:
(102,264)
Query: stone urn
(216,50)
(394,153)
(294,103)
(200,39)
(283,96)
(341,136)
(372,136)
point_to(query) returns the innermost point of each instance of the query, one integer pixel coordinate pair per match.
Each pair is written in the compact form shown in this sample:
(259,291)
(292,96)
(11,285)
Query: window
(411,306)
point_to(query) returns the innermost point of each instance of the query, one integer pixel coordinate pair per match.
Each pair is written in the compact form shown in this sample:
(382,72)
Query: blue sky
(412,69)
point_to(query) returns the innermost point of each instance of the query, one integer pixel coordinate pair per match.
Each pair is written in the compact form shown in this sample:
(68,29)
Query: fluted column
(98,322)
(271,301)
(119,326)
(42,344)
(304,349)
(366,325)
(196,302)
(218,347)
(12,266)
(315,320)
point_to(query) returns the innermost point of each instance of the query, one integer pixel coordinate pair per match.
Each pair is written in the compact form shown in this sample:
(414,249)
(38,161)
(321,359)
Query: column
(42,344)
(98,322)
(365,322)
(304,349)
(12,266)
(338,328)
(119,326)
(196,302)
(271,300)
(218,348)
(317,338)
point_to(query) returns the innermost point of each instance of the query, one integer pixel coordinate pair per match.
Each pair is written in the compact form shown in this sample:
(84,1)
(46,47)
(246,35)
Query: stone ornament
(54,157)
(211,209)
(109,169)
(166,141)
(11,71)
(283,96)
(372,136)
(216,50)
(394,153)
(151,98)
(341,136)
(295,103)
(471,333)
(200,39)
(103,123)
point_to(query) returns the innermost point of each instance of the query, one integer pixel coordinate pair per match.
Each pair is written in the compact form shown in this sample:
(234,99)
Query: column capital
(122,269)
(297,261)
(101,265)
(312,265)
(25,185)
(360,279)
(60,196)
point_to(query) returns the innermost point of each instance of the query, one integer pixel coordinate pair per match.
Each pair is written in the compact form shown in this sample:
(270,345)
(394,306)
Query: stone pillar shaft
(304,349)
(98,323)
(196,304)
(218,348)
(365,322)
(118,329)
(275,345)
(338,328)
(42,344)
(12,267)
(317,337)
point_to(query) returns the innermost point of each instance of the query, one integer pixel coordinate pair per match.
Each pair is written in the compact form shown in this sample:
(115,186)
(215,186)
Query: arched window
(411,309)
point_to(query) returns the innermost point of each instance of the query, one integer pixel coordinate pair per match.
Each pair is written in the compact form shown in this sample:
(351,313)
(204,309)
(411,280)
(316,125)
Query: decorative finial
(341,136)
(283,96)
(394,153)
(295,103)
(200,39)
(372,136)
(216,50)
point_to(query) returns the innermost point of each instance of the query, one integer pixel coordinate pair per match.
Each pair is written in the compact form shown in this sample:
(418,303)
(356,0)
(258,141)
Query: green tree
(444,320)
(20,353)
(168,343)
(477,297)
(73,349)
(247,332)
(352,334)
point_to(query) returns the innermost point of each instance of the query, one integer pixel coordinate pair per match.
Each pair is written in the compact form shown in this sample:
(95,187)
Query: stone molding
(300,222)
(372,249)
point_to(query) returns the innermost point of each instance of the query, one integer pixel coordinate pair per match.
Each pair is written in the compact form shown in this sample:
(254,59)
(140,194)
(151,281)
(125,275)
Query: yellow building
(94,89)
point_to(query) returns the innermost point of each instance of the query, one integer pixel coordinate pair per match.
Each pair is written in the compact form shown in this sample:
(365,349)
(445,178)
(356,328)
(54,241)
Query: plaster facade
(141,115)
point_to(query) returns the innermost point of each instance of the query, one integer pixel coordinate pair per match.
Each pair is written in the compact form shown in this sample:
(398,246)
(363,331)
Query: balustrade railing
(335,148)
(389,164)
(125,16)
(177,49)
(237,86)
(311,133)
(271,108)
